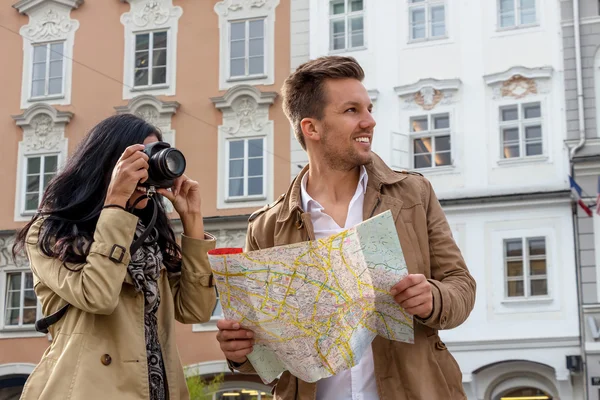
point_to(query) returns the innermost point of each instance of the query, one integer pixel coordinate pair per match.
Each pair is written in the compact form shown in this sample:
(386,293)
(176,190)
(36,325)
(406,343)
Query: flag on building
(576,190)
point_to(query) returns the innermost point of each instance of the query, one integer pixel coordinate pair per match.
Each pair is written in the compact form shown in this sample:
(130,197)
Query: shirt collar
(309,204)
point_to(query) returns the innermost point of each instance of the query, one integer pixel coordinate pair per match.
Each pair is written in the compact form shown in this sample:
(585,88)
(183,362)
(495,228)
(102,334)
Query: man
(344,184)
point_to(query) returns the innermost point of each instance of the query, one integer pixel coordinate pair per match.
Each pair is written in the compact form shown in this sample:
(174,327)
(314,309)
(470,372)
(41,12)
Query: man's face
(346,129)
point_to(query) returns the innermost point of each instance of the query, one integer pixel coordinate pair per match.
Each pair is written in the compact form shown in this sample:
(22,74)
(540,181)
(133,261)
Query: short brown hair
(303,94)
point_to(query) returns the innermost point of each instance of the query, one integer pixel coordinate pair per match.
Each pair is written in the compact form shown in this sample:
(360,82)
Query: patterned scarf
(144,269)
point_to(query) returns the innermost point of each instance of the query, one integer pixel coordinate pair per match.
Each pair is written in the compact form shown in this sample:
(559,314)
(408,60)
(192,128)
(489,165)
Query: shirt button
(106,359)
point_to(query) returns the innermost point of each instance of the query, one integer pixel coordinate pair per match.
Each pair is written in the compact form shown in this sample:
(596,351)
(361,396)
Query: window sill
(210,326)
(522,160)
(527,300)
(517,29)
(348,50)
(431,41)
(46,98)
(235,200)
(246,78)
(148,88)
(20,332)
(446,169)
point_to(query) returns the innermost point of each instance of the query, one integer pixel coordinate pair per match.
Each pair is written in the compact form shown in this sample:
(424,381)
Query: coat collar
(378,172)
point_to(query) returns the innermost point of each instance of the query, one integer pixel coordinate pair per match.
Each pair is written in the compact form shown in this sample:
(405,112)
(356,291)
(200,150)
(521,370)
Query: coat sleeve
(93,286)
(452,285)
(194,295)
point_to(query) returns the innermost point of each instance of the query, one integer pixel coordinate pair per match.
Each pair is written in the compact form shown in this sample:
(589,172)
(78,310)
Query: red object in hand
(225,251)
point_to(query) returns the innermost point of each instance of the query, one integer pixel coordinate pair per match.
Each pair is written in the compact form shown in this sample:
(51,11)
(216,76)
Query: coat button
(440,345)
(106,359)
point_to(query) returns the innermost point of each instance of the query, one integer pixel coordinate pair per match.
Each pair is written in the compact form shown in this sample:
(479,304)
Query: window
(150,59)
(346,24)
(427,19)
(47,75)
(39,171)
(521,130)
(247,48)
(20,302)
(515,13)
(430,135)
(525,267)
(246,166)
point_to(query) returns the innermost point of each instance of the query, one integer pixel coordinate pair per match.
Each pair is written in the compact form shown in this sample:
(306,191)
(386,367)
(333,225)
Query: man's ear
(311,129)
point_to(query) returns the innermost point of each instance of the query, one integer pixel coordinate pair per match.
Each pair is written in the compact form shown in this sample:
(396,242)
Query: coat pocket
(448,367)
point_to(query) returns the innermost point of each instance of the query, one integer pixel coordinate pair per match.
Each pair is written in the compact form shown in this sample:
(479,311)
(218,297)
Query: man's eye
(351,109)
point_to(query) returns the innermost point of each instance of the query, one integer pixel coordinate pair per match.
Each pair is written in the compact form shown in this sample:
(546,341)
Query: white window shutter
(400,145)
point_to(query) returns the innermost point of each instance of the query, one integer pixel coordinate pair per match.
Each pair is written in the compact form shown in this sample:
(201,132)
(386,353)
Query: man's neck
(332,186)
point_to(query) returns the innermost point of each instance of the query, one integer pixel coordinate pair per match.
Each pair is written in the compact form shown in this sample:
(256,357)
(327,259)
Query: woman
(117,338)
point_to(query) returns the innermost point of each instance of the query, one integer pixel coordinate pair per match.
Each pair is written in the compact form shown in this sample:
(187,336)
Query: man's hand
(236,343)
(413,293)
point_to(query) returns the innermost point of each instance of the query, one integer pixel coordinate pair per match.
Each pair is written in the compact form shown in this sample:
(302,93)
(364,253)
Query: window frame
(23,197)
(247,75)
(432,134)
(517,16)
(526,259)
(427,6)
(8,329)
(245,197)
(346,17)
(167,66)
(48,45)
(521,123)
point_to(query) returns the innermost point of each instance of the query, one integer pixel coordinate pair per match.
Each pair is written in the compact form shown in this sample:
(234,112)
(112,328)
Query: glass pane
(532,111)
(159,75)
(257,28)
(534,149)
(159,58)
(514,248)
(236,187)
(539,287)
(33,165)
(238,30)
(39,53)
(418,32)
(29,299)
(438,14)
(141,59)
(39,71)
(438,30)
(38,88)
(29,281)
(507,6)
(537,267)
(142,41)
(55,86)
(141,77)
(357,40)
(356,5)
(238,67)
(56,51)
(160,40)
(422,145)
(533,132)
(515,289)
(356,34)
(418,124)
(236,168)
(441,121)
(255,167)
(337,7)
(50,163)
(339,26)
(528,14)
(510,114)
(255,186)
(47,179)
(32,201)
(510,135)
(12,317)
(33,183)
(255,148)
(29,316)
(356,24)
(237,49)
(442,159)
(423,161)
(537,247)
(339,43)
(511,151)
(442,143)
(418,23)
(236,149)
(13,299)
(507,20)
(14,281)
(257,65)
(257,47)
(514,268)
(56,69)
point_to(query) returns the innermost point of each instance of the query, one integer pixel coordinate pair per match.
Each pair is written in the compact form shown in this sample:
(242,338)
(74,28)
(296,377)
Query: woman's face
(138,193)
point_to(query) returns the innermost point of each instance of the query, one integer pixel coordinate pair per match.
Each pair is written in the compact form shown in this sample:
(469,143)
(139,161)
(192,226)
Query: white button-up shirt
(357,383)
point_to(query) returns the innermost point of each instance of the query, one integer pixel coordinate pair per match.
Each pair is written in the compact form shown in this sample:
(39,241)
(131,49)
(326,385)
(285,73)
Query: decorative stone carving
(428,93)
(245,111)
(152,110)
(520,82)
(518,87)
(6,258)
(231,237)
(151,14)
(149,114)
(43,127)
(227,6)
(51,27)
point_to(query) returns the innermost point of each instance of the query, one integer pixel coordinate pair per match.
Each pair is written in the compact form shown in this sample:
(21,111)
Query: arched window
(529,393)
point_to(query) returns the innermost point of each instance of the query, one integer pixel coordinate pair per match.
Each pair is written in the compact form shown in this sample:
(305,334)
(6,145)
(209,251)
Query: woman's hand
(131,170)
(185,196)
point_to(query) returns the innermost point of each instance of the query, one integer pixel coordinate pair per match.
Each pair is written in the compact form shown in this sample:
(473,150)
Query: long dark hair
(73,200)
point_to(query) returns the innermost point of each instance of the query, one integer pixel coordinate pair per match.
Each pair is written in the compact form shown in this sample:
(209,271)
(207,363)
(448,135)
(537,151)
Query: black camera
(166,164)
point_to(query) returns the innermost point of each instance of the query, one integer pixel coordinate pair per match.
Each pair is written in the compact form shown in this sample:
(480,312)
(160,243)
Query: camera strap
(42,324)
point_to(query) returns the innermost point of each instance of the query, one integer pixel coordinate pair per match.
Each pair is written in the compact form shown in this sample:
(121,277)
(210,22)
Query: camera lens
(175,162)
(170,163)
